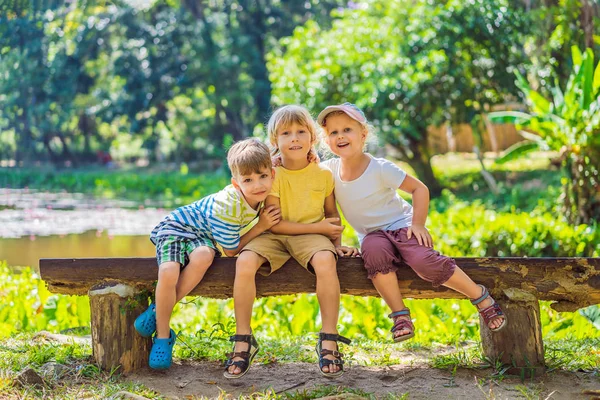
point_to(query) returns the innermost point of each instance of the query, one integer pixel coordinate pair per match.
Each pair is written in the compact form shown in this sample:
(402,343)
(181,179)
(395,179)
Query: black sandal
(321,353)
(247,356)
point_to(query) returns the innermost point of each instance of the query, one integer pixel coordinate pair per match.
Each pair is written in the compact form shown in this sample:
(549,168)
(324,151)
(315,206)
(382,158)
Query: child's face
(294,142)
(345,136)
(256,186)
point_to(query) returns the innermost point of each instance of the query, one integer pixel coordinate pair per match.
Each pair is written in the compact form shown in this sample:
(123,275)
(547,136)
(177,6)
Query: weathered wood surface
(519,344)
(571,282)
(115,343)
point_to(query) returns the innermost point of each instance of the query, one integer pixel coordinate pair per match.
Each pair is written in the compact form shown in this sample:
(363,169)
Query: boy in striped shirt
(186,240)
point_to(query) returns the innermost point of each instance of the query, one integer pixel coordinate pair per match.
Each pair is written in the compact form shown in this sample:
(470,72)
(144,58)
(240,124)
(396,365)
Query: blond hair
(287,115)
(248,156)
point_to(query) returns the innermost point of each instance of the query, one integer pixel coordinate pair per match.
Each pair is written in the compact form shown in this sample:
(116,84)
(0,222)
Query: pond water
(26,251)
(36,225)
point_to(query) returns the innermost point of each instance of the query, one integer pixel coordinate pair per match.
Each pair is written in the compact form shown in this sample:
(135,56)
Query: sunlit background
(114,113)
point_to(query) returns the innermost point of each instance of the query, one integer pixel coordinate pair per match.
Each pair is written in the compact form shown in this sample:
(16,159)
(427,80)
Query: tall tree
(409,65)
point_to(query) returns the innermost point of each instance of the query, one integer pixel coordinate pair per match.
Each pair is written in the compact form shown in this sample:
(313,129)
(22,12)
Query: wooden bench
(119,287)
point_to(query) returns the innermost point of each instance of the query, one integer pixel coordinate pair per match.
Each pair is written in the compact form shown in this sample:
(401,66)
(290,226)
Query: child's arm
(269,216)
(327,227)
(420,200)
(331,211)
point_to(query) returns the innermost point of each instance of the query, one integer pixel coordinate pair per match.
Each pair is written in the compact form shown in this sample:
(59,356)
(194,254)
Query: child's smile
(294,142)
(345,136)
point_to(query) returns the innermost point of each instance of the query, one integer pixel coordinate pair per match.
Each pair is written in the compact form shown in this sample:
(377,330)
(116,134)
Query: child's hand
(268,217)
(313,156)
(421,234)
(328,228)
(345,251)
(276,161)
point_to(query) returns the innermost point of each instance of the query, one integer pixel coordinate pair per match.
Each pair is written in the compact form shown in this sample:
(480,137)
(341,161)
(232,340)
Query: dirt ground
(192,379)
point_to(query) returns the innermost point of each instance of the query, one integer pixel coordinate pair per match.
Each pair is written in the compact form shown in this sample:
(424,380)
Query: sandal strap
(491,312)
(484,295)
(323,362)
(243,354)
(333,337)
(400,324)
(241,338)
(404,311)
(335,353)
(242,364)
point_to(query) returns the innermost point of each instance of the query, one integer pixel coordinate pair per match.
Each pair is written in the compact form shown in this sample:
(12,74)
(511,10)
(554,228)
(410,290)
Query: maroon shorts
(382,252)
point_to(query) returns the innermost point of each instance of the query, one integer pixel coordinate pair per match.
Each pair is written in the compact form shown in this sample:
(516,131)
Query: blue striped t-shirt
(220,216)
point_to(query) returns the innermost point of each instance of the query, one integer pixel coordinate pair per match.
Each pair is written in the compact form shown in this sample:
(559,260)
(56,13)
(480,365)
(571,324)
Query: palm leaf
(508,117)
(596,84)
(588,78)
(532,137)
(518,150)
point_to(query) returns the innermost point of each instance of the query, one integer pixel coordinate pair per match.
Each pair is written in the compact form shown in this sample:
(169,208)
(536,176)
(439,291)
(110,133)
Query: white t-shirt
(370,202)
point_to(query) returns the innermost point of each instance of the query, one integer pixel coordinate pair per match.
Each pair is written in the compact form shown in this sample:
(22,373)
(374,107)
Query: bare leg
(200,260)
(168,274)
(328,293)
(389,290)
(461,282)
(244,294)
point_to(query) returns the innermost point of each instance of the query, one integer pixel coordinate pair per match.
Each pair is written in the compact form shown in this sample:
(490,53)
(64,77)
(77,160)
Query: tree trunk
(519,344)
(582,190)
(421,163)
(254,27)
(87,127)
(586,19)
(115,343)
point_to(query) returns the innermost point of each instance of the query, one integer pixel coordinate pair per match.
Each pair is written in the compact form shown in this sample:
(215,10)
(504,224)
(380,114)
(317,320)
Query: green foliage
(472,230)
(169,189)
(173,80)
(27,306)
(569,123)
(408,65)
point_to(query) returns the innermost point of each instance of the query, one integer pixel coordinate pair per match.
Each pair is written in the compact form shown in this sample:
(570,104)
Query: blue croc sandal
(145,324)
(162,352)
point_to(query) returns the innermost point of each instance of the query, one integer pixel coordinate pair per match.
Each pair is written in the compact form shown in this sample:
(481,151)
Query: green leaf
(539,103)
(532,137)
(518,150)
(522,83)
(588,78)
(508,117)
(577,57)
(596,84)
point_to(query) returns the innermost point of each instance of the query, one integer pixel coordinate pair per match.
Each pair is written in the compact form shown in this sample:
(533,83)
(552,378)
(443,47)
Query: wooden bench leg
(520,343)
(115,343)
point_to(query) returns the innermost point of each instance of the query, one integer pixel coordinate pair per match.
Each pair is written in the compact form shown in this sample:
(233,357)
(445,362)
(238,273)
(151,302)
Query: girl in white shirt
(389,229)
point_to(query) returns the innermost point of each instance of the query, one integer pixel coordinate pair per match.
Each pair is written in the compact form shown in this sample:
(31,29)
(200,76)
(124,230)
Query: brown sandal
(489,313)
(400,324)
(321,353)
(247,356)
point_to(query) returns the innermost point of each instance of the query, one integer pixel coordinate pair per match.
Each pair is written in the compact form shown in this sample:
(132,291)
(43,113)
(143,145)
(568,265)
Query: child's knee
(247,263)
(323,262)
(202,256)
(168,273)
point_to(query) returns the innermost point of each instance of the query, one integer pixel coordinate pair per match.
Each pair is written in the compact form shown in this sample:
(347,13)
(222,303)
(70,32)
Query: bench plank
(572,282)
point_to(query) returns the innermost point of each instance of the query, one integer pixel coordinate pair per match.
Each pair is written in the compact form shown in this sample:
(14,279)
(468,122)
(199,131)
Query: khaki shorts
(277,249)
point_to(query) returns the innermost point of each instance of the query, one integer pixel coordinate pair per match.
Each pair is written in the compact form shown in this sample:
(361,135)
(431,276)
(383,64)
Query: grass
(81,377)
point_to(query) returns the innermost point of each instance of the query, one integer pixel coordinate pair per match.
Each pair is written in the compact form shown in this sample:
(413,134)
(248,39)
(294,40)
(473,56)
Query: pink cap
(350,109)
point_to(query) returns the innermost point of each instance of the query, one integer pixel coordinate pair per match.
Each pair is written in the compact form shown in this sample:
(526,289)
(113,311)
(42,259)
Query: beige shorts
(277,249)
